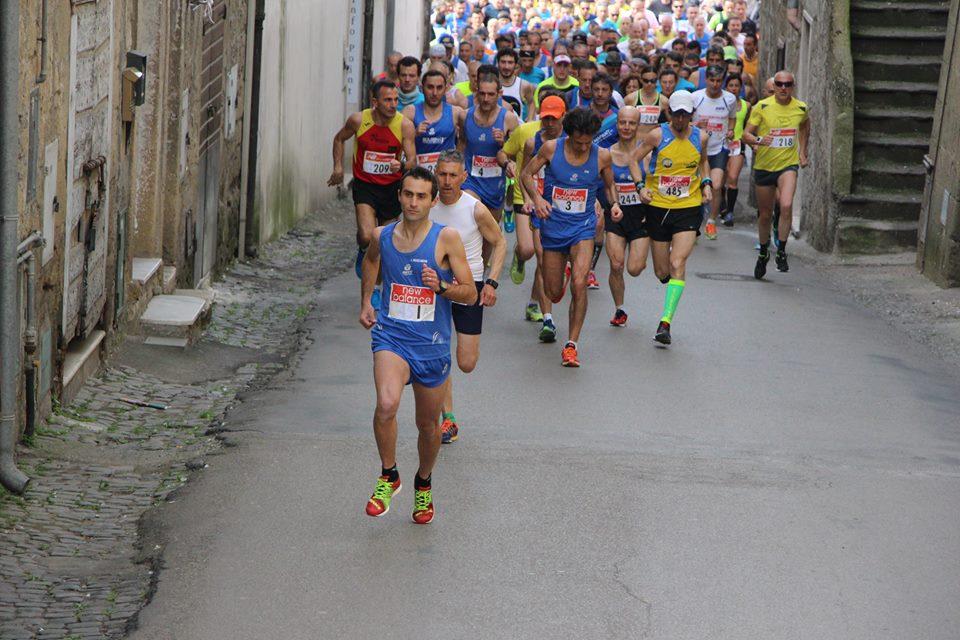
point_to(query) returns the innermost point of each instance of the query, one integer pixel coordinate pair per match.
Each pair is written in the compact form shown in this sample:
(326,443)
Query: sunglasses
(783,85)
(648,80)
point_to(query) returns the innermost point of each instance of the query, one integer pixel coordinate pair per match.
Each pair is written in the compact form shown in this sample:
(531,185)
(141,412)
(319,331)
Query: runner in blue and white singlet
(485,176)
(439,136)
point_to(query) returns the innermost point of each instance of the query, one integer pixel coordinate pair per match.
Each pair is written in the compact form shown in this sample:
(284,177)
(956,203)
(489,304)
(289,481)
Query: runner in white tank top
(460,216)
(477,227)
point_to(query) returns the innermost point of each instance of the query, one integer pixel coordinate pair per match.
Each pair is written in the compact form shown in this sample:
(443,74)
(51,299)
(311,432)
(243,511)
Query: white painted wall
(408,27)
(303,99)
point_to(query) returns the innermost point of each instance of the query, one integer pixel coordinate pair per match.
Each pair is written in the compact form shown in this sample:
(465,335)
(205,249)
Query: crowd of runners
(575,127)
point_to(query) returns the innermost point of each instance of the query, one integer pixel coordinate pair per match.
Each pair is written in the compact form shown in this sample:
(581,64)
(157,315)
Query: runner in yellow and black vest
(778,129)
(676,186)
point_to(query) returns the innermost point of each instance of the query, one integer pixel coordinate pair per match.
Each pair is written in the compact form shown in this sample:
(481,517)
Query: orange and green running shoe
(449,431)
(423,506)
(379,502)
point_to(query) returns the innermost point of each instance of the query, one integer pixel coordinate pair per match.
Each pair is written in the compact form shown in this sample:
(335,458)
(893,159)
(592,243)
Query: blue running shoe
(358,265)
(509,221)
(375,299)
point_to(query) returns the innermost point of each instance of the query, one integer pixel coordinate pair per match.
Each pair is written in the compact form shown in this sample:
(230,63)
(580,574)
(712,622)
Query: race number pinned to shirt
(428,160)
(735,148)
(627,194)
(713,127)
(412,303)
(783,138)
(485,167)
(649,115)
(674,186)
(377,164)
(570,200)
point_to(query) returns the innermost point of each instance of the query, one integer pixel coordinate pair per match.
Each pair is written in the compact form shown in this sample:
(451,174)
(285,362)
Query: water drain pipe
(28,258)
(11,476)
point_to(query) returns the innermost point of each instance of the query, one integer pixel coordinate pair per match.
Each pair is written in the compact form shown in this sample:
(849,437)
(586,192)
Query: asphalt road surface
(787,469)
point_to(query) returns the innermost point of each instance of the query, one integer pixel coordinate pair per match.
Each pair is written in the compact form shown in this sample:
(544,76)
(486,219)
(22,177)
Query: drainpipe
(41,78)
(28,258)
(249,236)
(10,476)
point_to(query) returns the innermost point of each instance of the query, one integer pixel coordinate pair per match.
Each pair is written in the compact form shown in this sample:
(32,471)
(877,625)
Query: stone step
(81,361)
(144,270)
(884,94)
(867,66)
(909,40)
(896,14)
(904,120)
(864,236)
(899,149)
(882,204)
(876,174)
(175,316)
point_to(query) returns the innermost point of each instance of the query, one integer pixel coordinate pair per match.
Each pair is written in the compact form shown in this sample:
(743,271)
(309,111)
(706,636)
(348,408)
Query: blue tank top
(572,190)
(441,136)
(623,183)
(411,315)
(575,99)
(484,176)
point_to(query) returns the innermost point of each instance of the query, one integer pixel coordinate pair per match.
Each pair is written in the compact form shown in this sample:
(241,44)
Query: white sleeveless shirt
(460,216)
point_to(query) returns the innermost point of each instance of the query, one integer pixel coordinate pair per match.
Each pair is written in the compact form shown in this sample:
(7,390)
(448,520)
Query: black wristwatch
(442,287)
(493,283)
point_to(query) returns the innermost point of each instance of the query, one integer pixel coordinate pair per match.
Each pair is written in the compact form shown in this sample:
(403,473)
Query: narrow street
(789,468)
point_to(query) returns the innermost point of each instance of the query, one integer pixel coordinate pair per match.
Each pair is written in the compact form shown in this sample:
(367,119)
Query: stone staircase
(897,49)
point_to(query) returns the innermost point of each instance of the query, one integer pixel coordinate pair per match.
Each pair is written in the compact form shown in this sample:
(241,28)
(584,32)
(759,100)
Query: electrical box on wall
(134,84)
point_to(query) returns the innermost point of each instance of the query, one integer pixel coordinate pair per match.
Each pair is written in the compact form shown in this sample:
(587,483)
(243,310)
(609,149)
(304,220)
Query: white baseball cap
(681,101)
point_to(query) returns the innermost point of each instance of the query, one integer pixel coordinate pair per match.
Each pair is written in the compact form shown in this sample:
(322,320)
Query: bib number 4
(485,167)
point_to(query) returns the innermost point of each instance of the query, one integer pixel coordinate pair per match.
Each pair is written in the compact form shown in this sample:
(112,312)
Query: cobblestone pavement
(72,565)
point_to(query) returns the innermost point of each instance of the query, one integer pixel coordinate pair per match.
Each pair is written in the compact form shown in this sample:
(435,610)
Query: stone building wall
(939,251)
(819,56)
(151,166)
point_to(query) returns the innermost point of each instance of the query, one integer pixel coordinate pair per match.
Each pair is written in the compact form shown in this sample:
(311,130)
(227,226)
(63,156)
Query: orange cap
(553,106)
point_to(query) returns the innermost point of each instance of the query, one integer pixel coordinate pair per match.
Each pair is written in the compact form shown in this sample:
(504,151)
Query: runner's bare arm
(804,139)
(632,98)
(705,190)
(465,292)
(459,100)
(605,163)
(492,235)
(750,135)
(409,112)
(459,118)
(650,142)
(530,169)
(527,198)
(409,144)
(527,89)
(349,130)
(368,280)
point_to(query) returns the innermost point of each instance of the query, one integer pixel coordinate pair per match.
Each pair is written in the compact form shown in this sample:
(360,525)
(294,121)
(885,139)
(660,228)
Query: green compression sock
(674,291)
(449,416)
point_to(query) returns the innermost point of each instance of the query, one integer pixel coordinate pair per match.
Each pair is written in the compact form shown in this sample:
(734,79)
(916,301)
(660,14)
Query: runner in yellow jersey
(677,184)
(779,126)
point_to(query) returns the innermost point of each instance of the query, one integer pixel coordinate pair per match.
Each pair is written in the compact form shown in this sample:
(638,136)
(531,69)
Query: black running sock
(764,248)
(665,279)
(422,483)
(391,474)
(732,198)
(782,246)
(597,250)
